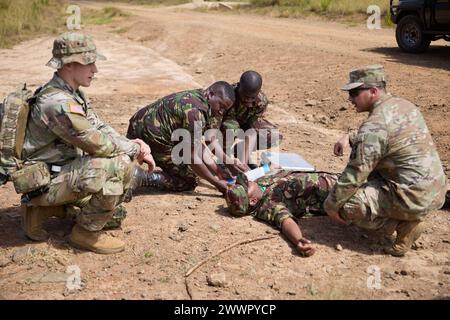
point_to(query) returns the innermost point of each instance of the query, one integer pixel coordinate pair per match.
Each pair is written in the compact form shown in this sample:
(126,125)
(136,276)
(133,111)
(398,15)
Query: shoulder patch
(76,108)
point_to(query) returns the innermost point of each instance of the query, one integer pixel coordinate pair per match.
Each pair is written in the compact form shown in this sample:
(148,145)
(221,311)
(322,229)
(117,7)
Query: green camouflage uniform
(63,130)
(245,117)
(394,169)
(156,122)
(288,194)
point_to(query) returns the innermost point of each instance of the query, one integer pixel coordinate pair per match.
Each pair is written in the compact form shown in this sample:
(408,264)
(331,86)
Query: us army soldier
(92,165)
(394,177)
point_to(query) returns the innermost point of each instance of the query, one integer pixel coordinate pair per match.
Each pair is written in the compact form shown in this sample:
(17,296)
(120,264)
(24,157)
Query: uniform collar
(382,100)
(59,83)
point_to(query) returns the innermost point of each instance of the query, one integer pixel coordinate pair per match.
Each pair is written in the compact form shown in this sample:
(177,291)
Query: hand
(341,145)
(148,159)
(144,148)
(241,167)
(305,248)
(222,175)
(222,186)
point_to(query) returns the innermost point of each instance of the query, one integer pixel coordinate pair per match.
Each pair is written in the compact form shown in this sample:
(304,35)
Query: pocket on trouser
(105,175)
(90,180)
(355,209)
(361,211)
(61,190)
(113,187)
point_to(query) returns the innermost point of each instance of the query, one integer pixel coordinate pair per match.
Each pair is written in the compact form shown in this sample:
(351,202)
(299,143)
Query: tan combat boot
(96,241)
(387,231)
(34,217)
(407,233)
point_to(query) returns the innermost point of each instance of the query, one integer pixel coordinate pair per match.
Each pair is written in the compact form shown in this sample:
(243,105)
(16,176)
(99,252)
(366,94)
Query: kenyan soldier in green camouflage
(248,112)
(394,175)
(281,196)
(191,110)
(92,165)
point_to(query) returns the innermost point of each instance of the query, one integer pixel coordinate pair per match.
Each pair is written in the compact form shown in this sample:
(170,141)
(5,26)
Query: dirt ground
(157,51)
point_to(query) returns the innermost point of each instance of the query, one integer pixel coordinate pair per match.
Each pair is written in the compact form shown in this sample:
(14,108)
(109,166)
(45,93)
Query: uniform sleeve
(257,112)
(194,121)
(369,147)
(352,134)
(67,120)
(273,210)
(127,147)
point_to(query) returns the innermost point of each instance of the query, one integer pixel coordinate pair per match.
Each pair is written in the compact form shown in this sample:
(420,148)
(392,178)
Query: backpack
(14,111)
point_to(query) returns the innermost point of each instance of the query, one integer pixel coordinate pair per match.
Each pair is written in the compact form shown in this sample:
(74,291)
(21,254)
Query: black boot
(155,180)
(162,181)
(447,201)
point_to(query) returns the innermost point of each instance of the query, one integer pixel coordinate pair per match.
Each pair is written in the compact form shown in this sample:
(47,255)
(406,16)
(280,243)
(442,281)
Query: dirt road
(159,50)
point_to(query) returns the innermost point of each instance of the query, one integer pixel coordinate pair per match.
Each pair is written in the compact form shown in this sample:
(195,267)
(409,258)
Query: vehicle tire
(410,36)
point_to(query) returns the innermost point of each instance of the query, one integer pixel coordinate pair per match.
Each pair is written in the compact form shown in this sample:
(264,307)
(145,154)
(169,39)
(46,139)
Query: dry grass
(329,8)
(23,19)
(104,16)
(151,2)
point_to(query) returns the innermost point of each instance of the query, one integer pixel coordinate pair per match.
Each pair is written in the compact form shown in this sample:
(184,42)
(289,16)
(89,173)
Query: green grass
(23,19)
(148,254)
(104,16)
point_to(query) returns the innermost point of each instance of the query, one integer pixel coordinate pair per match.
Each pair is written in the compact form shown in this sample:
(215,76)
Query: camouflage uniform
(245,117)
(394,169)
(156,122)
(287,194)
(63,130)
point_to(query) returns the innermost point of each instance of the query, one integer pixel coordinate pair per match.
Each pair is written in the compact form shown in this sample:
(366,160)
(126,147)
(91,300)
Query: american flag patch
(76,108)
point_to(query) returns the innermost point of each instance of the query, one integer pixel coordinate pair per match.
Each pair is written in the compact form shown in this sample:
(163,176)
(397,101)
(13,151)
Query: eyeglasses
(356,92)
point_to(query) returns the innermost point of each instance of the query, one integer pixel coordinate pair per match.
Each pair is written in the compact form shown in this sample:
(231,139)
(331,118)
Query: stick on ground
(198,265)
(224,250)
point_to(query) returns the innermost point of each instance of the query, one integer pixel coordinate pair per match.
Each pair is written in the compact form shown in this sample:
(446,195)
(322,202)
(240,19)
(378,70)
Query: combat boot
(447,201)
(34,217)
(388,229)
(407,233)
(96,241)
(154,180)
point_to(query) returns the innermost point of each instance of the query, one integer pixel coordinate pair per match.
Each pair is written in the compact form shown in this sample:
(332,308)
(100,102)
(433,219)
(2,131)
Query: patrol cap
(73,47)
(237,196)
(367,77)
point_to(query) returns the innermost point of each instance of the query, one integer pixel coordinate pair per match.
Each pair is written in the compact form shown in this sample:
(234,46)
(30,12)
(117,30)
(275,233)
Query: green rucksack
(14,112)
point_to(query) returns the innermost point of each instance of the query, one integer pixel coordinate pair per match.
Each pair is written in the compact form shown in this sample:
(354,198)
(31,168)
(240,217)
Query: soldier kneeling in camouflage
(92,166)
(394,177)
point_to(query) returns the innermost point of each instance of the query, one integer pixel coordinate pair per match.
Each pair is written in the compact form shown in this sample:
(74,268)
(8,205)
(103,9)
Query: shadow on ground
(320,230)
(12,235)
(436,57)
